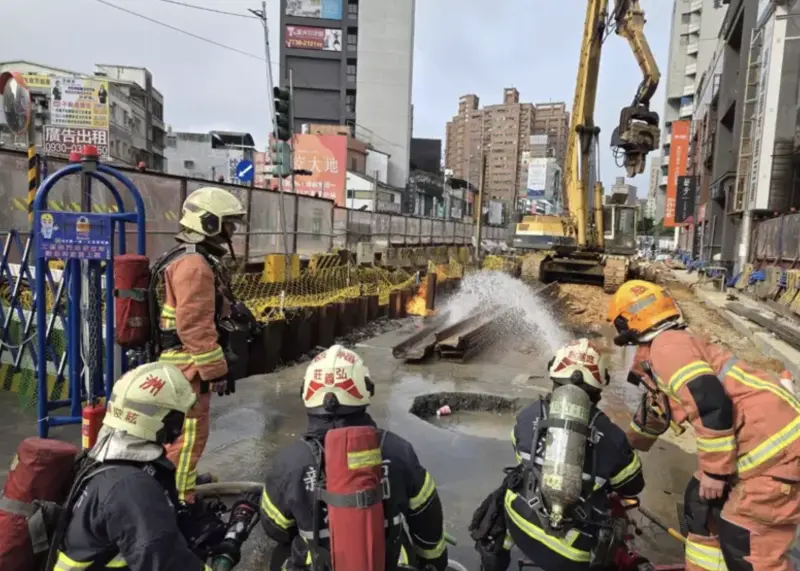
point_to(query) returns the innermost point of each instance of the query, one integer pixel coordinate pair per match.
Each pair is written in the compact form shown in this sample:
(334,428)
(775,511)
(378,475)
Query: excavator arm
(638,132)
(583,132)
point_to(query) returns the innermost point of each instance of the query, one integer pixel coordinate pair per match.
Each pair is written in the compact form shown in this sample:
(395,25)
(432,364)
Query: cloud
(461,46)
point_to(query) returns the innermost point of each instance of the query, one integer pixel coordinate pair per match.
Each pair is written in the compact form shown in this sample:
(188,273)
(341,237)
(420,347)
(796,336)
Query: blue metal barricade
(85,241)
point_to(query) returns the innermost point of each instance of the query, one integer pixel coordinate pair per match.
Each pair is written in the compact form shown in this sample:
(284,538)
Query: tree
(645,226)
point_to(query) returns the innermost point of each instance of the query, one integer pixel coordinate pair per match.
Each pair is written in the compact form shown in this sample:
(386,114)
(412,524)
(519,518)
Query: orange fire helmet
(640,310)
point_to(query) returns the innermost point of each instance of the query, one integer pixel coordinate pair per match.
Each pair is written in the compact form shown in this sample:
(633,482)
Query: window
(351,72)
(188,164)
(350,102)
(353,164)
(352,10)
(352,41)
(349,193)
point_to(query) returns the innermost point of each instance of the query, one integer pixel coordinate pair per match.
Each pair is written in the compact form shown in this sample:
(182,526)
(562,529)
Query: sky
(460,47)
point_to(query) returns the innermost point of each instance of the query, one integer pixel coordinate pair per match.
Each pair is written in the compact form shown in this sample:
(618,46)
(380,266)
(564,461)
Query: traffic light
(281,159)
(283,119)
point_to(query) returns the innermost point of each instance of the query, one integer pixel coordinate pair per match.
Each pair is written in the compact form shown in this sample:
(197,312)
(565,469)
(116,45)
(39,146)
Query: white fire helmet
(340,373)
(207,209)
(583,357)
(144,396)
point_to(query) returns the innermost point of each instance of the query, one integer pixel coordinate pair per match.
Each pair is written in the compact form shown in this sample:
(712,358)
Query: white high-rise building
(695,24)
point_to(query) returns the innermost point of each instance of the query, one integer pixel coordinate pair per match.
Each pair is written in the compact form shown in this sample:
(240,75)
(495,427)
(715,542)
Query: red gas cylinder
(92,419)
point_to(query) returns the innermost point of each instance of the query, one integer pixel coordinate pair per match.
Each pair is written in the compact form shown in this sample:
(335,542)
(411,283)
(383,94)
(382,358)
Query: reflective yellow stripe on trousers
(709,558)
(186,479)
(65,563)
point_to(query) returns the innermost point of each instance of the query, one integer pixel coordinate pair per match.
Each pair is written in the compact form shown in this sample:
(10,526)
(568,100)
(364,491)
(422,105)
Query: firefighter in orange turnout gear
(747,427)
(193,279)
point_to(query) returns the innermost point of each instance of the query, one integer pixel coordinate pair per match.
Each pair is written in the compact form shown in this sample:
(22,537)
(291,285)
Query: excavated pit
(474,414)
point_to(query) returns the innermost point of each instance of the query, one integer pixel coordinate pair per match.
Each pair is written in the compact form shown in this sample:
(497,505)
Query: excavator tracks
(615,273)
(531,266)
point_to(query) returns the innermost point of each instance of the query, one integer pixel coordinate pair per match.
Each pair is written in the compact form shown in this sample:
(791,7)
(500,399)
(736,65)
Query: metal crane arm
(582,128)
(637,133)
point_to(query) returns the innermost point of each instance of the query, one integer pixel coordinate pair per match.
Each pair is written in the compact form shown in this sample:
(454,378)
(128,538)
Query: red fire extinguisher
(91,421)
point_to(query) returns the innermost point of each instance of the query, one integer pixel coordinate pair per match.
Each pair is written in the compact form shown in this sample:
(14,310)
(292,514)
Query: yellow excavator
(575,247)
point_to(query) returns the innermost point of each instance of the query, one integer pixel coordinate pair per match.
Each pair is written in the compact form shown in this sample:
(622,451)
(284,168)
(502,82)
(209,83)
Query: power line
(206,9)
(179,30)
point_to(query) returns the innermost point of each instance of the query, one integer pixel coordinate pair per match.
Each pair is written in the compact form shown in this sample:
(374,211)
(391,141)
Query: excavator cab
(636,135)
(620,221)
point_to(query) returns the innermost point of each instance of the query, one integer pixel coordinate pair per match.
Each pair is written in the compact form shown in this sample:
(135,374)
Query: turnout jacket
(616,466)
(746,424)
(125,518)
(288,498)
(190,310)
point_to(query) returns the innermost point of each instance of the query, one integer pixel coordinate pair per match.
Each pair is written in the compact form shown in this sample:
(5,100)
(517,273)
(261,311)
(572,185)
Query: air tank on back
(565,449)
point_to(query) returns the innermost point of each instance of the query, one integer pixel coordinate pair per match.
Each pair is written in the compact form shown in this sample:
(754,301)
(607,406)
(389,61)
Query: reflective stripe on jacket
(745,422)
(189,310)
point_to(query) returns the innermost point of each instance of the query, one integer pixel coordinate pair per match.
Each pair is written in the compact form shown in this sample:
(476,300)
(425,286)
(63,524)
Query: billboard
(308,38)
(685,199)
(61,141)
(326,157)
(537,178)
(325,9)
(678,157)
(79,102)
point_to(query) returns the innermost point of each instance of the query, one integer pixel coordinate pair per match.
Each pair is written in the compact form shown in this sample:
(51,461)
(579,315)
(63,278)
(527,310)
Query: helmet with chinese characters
(337,383)
(145,397)
(580,362)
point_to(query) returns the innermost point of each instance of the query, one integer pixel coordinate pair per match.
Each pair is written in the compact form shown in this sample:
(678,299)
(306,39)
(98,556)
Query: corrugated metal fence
(312,224)
(777,239)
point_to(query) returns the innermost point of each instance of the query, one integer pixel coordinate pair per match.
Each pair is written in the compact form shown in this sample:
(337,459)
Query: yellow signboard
(74,101)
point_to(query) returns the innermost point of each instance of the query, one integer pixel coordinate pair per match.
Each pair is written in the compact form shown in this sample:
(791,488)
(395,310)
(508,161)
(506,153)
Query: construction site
(454,328)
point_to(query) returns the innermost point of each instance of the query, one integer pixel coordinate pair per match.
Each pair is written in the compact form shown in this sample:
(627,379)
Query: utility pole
(291,122)
(262,15)
(479,206)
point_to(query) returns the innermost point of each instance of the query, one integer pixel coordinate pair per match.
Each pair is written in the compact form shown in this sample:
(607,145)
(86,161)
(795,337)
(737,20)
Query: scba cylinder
(565,450)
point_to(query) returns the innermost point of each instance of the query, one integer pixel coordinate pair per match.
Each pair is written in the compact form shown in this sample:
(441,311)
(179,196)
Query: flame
(418,304)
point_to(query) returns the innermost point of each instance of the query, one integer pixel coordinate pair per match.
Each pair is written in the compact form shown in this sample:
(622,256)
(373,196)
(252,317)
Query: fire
(418,305)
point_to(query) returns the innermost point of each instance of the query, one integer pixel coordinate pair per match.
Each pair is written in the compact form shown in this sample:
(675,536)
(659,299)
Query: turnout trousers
(185,452)
(751,530)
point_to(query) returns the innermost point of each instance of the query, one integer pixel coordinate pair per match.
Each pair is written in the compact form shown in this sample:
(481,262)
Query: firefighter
(743,506)
(196,296)
(608,458)
(122,511)
(287,504)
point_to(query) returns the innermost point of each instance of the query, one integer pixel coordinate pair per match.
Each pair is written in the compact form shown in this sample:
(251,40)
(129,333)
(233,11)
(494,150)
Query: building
(691,48)
(623,193)
(426,155)
(651,208)
(503,132)
(552,121)
(212,156)
(136,131)
(351,64)
(750,151)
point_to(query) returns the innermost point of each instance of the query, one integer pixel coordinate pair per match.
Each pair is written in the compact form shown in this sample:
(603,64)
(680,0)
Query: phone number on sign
(67,148)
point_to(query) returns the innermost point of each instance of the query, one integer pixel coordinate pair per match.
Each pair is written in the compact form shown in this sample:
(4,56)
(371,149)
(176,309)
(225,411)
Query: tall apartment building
(351,63)
(552,121)
(136,122)
(694,28)
(503,132)
(652,207)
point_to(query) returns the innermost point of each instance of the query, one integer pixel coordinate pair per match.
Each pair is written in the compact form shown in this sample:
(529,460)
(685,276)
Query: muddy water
(476,423)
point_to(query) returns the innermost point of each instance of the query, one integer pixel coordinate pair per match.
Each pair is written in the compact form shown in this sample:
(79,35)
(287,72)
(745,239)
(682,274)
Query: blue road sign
(245,171)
